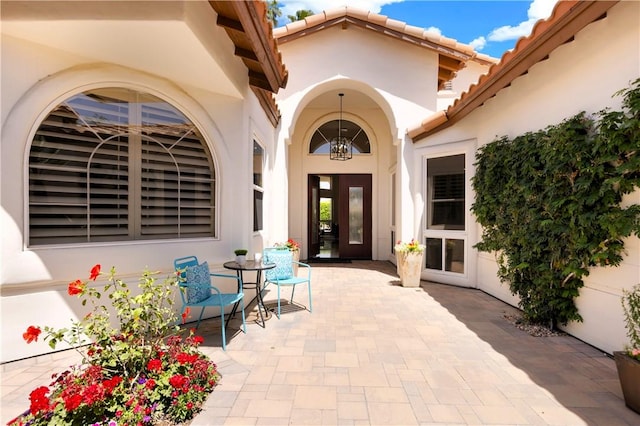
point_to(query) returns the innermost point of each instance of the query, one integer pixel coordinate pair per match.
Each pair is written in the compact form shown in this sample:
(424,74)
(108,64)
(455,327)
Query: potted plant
(628,361)
(241,256)
(409,262)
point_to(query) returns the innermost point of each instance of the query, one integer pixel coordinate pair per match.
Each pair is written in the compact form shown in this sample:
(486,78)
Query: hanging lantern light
(341,147)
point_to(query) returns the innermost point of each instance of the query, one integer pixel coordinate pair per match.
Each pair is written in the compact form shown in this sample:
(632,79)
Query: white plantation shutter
(114,164)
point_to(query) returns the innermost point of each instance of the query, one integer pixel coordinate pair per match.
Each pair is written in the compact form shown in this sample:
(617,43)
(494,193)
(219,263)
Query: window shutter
(114,165)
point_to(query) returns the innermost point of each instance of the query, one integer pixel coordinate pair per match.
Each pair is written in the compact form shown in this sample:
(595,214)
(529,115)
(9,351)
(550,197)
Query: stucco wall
(581,75)
(389,65)
(399,84)
(33,280)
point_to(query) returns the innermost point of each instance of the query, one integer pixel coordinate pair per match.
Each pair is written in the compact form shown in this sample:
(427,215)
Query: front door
(345,231)
(355,217)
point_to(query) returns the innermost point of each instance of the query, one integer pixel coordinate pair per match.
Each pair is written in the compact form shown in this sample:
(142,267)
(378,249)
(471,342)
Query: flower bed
(143,373)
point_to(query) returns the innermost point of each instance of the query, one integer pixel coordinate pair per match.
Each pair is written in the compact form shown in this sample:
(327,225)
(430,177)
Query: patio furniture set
(198,290)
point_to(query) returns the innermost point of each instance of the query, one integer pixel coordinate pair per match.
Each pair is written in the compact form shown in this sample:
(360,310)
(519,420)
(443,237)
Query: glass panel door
(355,228)
(356,215)
(445,233)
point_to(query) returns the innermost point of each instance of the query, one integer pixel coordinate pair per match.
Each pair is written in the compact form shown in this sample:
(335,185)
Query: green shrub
(549,205)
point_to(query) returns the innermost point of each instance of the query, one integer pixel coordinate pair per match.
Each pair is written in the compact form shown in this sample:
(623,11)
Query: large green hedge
(549,205)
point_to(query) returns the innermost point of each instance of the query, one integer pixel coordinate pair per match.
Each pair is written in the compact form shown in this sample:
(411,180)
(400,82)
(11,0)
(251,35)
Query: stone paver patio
(375,353)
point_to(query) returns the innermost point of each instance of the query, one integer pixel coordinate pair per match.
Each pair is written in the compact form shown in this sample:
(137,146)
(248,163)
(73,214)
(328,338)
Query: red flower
(198,340)
(184,358)
(31,334)
(76,287)
(178,381)
(95,271)
(112,383)
(189,405)
(154,365)
(185,314)
(73,401)
(150,384)
(92,394)
(39,399)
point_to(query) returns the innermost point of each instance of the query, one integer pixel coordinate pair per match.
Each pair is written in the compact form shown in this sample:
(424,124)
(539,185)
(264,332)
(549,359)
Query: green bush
(549,205)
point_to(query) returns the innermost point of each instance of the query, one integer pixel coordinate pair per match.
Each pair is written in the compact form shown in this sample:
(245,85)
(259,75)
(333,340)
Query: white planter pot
(409,267)
(241,259)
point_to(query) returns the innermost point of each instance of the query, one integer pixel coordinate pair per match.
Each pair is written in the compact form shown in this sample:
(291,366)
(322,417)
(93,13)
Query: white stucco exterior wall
(396,86)
(578,76)
(35,78)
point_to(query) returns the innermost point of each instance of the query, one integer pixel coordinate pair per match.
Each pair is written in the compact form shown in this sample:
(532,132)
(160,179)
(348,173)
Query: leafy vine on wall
(549,203)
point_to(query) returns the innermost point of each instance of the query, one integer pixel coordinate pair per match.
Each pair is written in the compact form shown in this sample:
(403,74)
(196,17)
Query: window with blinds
(115,164)
(446,193)
(258,189)
(448,201)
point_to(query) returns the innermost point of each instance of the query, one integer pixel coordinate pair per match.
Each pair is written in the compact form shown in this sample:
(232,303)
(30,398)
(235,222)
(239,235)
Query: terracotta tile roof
(452,55)
(567,19)
(251,32)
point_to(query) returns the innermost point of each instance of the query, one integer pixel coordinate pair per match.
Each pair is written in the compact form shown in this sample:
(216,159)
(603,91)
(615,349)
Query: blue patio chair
(197,290)
(282,274)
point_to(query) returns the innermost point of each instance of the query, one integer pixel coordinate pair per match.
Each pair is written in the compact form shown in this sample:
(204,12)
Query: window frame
(137,144)
(258,189)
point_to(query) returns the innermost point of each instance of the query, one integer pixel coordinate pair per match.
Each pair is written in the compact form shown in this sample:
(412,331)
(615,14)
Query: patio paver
(374,353)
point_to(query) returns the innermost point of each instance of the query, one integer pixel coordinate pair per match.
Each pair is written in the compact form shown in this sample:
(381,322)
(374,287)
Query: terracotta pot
(629,374)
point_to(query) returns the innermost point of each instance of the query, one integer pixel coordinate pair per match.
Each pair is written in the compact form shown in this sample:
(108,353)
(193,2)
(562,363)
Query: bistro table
(256,266)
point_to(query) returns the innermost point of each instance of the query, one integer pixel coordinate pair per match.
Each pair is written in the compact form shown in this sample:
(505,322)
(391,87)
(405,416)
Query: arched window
(114,164)
(323,135)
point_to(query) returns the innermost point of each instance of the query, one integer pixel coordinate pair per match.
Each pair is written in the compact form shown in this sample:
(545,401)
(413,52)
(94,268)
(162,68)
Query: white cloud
(479,43)
(539,9)
(434,30)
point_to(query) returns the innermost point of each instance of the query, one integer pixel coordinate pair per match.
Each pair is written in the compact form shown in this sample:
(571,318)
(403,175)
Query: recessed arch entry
(359,186)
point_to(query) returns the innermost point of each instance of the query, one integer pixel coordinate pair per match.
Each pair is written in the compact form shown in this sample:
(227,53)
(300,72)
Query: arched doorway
(368,114)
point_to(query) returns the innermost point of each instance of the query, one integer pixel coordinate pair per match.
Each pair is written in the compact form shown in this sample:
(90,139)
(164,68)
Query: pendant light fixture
(341,147)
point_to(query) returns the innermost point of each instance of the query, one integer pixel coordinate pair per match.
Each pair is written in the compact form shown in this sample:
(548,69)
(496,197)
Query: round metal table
(257,267)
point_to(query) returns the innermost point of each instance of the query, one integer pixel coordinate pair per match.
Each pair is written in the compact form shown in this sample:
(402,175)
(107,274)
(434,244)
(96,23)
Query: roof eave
(264,62)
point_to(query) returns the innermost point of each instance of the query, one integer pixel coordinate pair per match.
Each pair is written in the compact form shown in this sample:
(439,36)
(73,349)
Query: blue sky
(490,27)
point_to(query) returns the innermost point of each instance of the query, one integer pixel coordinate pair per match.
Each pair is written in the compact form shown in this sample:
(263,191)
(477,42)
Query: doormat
(327,260)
